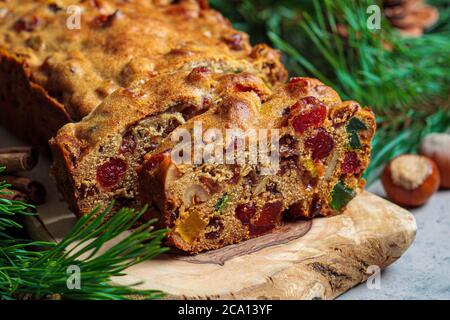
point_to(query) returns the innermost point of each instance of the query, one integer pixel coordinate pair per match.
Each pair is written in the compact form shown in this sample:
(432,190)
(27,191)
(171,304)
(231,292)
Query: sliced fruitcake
(95,159)
(322,149)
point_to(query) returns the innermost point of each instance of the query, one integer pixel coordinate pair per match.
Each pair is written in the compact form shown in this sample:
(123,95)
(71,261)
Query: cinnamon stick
(18,159)
(34,190)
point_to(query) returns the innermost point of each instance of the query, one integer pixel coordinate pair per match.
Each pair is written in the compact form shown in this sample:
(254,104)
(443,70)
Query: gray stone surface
(423,272)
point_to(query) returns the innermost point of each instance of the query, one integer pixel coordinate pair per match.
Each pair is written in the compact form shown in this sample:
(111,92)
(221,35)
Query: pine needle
(40,270)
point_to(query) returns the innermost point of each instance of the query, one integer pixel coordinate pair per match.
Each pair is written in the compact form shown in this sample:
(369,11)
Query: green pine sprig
(39,270)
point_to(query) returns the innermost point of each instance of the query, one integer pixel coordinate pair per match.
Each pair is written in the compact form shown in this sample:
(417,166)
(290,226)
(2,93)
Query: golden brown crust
(26,107)
(118,43)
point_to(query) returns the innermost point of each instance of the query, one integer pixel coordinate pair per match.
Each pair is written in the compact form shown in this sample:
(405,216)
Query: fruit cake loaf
(324,147)
(59,59)
(95,160)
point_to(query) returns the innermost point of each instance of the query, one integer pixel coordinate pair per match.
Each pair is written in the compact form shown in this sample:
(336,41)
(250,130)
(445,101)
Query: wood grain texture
(327,261)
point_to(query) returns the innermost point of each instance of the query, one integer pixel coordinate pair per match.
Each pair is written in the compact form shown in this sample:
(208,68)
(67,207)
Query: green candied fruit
(223,201)
(354,126)
(341,196)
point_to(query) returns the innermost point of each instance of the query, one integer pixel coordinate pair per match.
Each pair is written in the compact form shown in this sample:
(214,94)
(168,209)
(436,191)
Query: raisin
(321,144)
(234,41)
(312,118)
(28,24)
(269,217)
(111,172)
(189,112)
(244,212)
(128,143)
(351,164)
(216,223)
(272,188)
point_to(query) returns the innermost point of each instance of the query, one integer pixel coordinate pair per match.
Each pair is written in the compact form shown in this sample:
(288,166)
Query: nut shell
(411,197)
(437,147)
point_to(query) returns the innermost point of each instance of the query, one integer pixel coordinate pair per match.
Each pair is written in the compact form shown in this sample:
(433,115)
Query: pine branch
(29,273)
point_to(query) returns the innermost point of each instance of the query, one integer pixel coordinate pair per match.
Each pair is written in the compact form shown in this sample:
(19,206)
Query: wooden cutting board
(304,261)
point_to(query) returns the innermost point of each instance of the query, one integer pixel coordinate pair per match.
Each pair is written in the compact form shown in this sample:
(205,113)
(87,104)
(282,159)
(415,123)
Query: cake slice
(318,147)
(95,160)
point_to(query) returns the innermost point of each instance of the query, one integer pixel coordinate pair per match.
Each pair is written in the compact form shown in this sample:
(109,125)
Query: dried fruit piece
(341,196)
(191,227)
(312,118)
(354,126)
(297,84)
(269,217)
(321,144)
(222,202)
(111,172)
(245,212)
(351,164)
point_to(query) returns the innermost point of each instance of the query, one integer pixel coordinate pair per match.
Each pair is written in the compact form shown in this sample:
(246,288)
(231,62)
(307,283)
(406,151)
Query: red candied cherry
(111,172)
(321,144)
(297,84)
(198,73)
(268,218)
(313,117)
(351,163)
(240,87)
(244,212)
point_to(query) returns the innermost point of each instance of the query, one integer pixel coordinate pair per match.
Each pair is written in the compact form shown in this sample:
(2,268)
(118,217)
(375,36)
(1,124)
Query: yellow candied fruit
(311,167)
(190,227)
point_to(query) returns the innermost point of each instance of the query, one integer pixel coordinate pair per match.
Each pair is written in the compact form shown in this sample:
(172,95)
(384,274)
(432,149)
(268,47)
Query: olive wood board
(305,260)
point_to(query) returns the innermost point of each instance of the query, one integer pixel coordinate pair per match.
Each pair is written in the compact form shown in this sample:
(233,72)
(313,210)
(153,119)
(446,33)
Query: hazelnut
(410,180)
(437,147)
(195,194)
